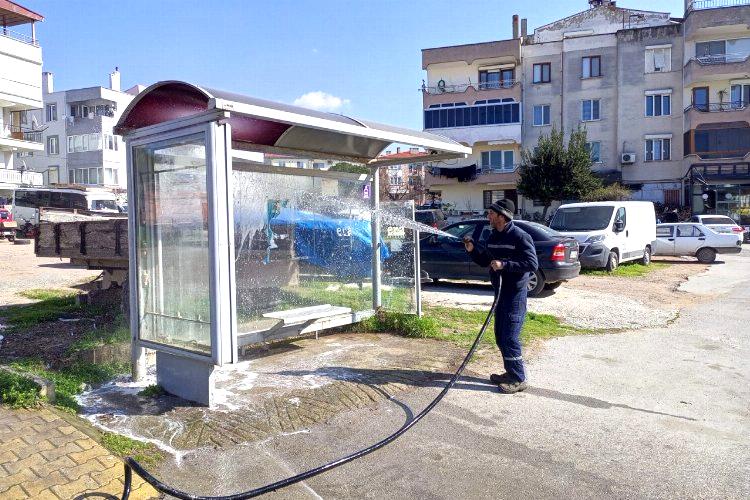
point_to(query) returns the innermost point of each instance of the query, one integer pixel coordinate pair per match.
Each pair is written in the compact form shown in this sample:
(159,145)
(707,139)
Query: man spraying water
(509,252)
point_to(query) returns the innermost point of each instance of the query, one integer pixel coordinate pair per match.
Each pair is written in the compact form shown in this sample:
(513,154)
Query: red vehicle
(7,225)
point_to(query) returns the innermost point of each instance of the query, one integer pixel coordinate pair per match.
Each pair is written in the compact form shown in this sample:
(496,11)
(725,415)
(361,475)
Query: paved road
(654,413)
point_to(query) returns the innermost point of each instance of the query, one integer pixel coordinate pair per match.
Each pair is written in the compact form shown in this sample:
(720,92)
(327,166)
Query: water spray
(132,465)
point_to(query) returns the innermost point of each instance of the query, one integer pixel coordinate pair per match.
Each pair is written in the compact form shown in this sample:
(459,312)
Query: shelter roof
(12,14)
(259,124)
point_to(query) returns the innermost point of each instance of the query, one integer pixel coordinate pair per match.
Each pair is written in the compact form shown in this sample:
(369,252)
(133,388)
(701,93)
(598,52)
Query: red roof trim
(15,14)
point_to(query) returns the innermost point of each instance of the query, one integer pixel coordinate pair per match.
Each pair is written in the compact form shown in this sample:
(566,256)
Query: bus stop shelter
(229,246)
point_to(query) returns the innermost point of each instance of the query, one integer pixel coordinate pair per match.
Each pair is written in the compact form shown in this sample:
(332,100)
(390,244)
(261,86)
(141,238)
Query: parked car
(722,225)
(443,257)
(609,232)
(699,240)
(7,225)
(433,217)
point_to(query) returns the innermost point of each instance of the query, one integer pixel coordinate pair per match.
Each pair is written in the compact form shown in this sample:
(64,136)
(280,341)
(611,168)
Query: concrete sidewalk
(43,456)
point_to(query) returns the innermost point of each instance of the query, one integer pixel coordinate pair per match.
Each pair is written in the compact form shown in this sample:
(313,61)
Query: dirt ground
(22,270)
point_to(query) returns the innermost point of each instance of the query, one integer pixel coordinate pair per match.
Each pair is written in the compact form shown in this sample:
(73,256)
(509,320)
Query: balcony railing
(21,178)
(21,37)
(717,107)
(490,169)
(728,170)
(21,133)
(715,4)
(447,89)
(721,59)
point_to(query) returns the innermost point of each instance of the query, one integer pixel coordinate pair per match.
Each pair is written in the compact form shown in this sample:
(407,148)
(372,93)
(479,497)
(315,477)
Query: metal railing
(489,169)
(21,178)
(21,37)
(715,4)
(721,59)
(21,133)
(736,170)
(716,107)
(447,89)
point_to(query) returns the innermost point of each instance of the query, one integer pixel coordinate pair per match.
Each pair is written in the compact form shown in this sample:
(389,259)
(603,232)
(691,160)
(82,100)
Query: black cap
(504,207)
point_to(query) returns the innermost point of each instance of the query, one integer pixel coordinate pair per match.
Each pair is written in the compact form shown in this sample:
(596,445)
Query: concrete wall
(541,93)
(20,74)
(633,124)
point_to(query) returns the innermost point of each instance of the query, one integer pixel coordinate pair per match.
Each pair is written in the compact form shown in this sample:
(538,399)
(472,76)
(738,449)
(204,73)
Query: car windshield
(717,220)
(582,218)
(103,205)
(459,230)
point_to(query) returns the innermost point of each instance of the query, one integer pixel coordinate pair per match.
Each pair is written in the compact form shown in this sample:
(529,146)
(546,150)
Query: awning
(12,14)
(258,124)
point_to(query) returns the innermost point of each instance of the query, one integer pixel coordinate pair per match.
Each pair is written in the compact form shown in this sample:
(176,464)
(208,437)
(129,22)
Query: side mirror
(619,226)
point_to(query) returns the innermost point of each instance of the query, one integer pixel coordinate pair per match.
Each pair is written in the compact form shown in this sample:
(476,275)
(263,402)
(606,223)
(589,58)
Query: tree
(553,172)
(351,168)
(613,192)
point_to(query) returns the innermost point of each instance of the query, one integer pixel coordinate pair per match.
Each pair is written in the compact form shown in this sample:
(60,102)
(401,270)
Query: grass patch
(71,380)
(17,391)
(627,270)
(145,453)
(116,333)
(461,326)
(152,391)
(50,306)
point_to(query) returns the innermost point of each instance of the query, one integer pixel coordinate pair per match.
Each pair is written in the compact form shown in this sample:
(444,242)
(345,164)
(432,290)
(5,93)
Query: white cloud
(321,101)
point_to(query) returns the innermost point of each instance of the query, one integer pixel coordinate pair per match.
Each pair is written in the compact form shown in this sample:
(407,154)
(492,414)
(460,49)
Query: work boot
(512,386)
(498,379)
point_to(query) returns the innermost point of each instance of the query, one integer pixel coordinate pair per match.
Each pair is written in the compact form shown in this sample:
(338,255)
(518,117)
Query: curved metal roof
(272,124)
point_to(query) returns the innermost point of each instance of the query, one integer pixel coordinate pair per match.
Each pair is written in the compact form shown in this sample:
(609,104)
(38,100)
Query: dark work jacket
(515,248)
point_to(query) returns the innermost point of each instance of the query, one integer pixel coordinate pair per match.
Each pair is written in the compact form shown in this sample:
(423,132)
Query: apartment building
(20,92)
(404,179)
(79,146)
(663,101)
(716,79)
(473,95)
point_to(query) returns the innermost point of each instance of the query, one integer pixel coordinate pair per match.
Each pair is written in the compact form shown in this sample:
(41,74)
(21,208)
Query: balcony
(470,93)
(18,178)
(715,112)
(718,171)
(14,138)
(472,173)
(491,121)
(19,37)
(716,67)
(500,52)
(715,4)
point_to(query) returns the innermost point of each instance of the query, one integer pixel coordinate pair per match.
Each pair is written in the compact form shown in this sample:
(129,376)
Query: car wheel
(646,259)
(536,283)
(612,262)
(553,286)
(706,255)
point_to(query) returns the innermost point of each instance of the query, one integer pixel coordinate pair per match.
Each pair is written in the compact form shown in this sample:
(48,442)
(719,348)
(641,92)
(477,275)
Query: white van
(27,201)
(609,232)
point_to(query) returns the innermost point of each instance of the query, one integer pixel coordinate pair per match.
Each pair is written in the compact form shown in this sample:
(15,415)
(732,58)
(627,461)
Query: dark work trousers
(509,317)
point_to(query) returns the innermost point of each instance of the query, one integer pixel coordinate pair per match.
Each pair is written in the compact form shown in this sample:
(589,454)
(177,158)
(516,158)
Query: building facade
(79,146)
(405,178)
(663,101)
(20,92)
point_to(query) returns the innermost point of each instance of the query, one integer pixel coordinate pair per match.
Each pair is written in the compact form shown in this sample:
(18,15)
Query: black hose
(131,463)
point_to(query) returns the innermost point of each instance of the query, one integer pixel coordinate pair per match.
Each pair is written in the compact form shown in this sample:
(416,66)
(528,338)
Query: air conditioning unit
(627,158)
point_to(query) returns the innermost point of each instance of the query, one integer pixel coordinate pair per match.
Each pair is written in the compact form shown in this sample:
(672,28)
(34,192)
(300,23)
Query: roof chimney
(48,82)
(114,79)
(515,25)
(523,28)
(398,150)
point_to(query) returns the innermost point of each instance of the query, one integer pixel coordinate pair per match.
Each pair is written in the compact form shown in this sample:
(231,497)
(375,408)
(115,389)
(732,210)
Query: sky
(361,58)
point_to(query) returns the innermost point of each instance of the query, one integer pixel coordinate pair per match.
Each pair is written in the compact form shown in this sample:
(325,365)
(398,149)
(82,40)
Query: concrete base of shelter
(185,377)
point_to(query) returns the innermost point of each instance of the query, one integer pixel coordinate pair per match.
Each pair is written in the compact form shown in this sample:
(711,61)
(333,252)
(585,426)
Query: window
(664,231)
(595,150)
(541,115)
(591,67)
(714,51)
(51,112)
(700,98)
(470,116)
(658,59)
(658,149)
(740,95)
(498,160)
(689,232)
(658,105)
(590,110)
(621,216)
(53,145)
(53,175)
(491,196)
(496,78)
(542,73)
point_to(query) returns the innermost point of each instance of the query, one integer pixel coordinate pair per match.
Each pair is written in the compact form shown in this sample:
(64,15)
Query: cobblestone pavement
(42,456)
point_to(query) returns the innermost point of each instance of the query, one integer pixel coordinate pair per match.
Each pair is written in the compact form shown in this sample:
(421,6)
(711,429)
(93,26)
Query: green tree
(553,172)
(351,168)
(613,192)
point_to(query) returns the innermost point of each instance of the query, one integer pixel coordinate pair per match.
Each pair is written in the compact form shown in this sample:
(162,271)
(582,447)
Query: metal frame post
(377,300)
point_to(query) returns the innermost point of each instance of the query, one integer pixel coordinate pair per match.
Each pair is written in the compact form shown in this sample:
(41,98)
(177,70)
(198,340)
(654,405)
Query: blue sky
(365,53)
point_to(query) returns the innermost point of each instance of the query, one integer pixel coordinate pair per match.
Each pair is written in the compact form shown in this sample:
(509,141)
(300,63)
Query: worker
(509,252)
